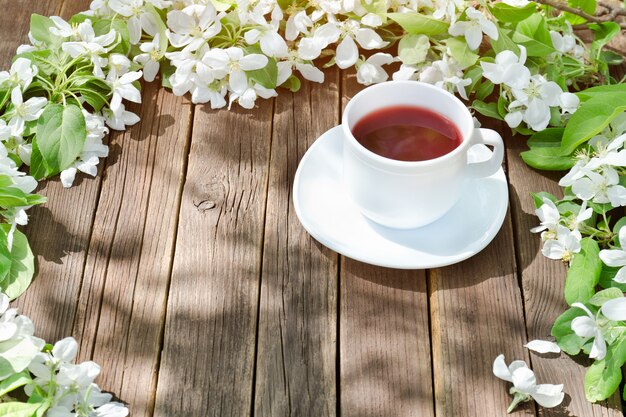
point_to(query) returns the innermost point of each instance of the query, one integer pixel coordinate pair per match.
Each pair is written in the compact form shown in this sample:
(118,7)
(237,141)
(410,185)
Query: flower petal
(501,370)
(524,379)
(614,309)
(584,326)
(543,346)
(347,53)
(548,395)
(613,257)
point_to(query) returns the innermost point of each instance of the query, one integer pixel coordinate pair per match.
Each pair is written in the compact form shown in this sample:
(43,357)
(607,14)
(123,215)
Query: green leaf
(5,256)
(607,276)
(95,99)
(38,167)
(459,50)
(504,42)
(293,84)
(545,151)
(485,90)
(603,377)
(22,265)
(538,198)
(61,134)
(40,30)
(104,26)
(511,14)
(612,58)
(419,24)
(14,382)
(412,49)
(534,34)
(587,6)
(600,90)
(603,296)
(15,409)
(584,273)
(267,76)
(487,109)
(591,117)
(603,34)
(562,331)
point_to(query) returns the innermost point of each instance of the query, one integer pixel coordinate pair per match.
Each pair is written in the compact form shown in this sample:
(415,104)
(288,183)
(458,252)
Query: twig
(609,14)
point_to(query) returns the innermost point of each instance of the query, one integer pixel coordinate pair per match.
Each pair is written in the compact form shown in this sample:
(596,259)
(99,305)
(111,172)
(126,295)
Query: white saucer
(329,215)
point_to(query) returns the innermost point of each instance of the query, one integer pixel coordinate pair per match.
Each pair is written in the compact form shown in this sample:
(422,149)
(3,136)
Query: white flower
(88,44)
(272,44)
(150,58)
(297,23)
(566,43)
(93,150)
(508,69)
(549,217)
(543,346)
(118,65)
(474,28)
(617,257)
(347,52)
(112,409)
(537,96)
(370,71)
(446,74)
(601,188)
(120,119)
(525,384)
(139,19)
(406,72)
(447,9)
(233,61)
(248,95)
(18,345)
(566,244)
(205,93)
(21,74)
(587,326)
(568,102)
(123,88)
(303,66)
(24,111)
(193,26)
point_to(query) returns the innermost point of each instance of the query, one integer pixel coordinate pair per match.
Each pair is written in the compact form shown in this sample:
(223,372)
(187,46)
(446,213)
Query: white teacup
(405,195)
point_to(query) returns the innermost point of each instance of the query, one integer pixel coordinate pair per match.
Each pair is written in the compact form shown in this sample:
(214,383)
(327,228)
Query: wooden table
(183,270)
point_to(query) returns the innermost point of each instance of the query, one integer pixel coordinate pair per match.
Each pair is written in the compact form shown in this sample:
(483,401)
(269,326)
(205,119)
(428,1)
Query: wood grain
(384,335)
(542,286)
(59,230)
(208,353)
(477,314)
(121,311)
(296,354)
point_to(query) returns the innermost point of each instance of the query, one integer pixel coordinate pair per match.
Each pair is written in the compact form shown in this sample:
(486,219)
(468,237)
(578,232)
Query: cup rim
(466,136)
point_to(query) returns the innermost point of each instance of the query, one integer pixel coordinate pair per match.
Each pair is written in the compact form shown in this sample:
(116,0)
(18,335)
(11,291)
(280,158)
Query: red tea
(407,133)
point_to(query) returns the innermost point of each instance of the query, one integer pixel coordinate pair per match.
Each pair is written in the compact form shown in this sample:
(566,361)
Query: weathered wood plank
(384,336)
(122,303)
(477,314)
(296,354)
(542,284)
(59,230)
(208,354)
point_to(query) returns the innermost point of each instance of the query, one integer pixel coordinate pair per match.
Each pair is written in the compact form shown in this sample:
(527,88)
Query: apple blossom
(473,28)
(525,384)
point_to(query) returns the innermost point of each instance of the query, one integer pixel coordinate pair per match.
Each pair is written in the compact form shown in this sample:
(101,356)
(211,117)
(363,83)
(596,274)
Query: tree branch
(609,14)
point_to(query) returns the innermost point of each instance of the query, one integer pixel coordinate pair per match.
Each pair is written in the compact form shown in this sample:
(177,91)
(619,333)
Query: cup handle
(493,164)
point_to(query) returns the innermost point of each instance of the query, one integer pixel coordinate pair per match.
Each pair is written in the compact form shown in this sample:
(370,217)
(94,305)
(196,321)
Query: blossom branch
(609,13)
